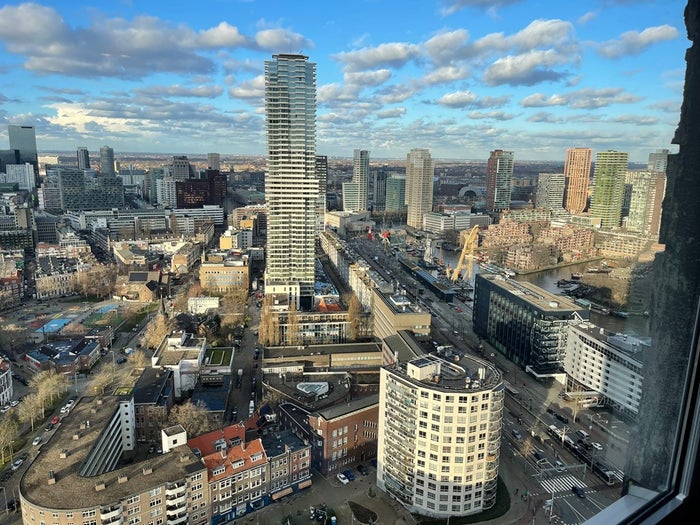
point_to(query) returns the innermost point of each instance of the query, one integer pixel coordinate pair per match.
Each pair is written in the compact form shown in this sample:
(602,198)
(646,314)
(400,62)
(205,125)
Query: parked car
(36,441)
(341,477)
(55,420)
(70,402)
(362,470)
(349,475)
(17,463)
(121,360)
(48,428)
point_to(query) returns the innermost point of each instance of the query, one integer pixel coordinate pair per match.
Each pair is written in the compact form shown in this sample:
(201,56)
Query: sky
(460,77)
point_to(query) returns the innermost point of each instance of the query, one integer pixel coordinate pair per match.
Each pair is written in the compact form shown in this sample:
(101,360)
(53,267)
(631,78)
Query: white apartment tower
(420,170)
(291,182)
(439,433)
(355,192)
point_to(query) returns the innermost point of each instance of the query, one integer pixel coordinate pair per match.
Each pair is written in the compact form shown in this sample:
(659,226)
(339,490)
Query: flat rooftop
(539,297)
(69,485)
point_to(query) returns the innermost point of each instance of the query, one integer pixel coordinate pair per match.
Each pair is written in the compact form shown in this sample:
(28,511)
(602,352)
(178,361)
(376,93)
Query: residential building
(658,160)
(154,395)
(83,156)
(524,322)
(181,168)
(78,192)
(291,184)
(355,192)
(550,191)
(221,273)
(609,189)
(166,192)
(396,193)
(22,174)
(646,195)
(182,353)
(420,170)
(499,176)
(456,406)
(194,193)
(93,453)
(107,161)
(6,387)
(577,170)
(321,203)
(605,368)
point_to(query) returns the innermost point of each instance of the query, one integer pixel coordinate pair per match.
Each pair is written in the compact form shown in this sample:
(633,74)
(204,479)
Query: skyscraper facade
(658,160)
(550,191)
(420,170)
(396,193)
(83,159)
(291,183)
(577,170)
(23,139)
(646,194)
(181,168)
(379,190)
(499,174)
(609,190)
(106,160)
(214,161)
(321,203)
(356,197)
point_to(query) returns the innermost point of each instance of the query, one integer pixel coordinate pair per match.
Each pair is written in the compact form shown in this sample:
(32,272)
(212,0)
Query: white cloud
(587,17)
(177,90)
(223,35)
(586,98)
(490,115)
(368,78)
(526,69)
(538,100)
(394,54)
(391,113)
(281,40)
(452,6)
(250,89)
(443,75)
(458,99)
(446,46)
(635,42)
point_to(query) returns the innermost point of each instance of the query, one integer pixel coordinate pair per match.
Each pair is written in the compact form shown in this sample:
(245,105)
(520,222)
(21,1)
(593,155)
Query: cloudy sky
(461,77)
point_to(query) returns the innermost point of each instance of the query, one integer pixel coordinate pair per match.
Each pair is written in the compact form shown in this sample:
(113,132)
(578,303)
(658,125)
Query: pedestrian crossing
(561,483)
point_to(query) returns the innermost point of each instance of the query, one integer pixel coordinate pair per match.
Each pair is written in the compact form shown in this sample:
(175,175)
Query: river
(634,325)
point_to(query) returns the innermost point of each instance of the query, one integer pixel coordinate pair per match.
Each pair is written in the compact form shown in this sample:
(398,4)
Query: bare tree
(354,318)
(138,360)
(9,431)
(102,380)
(293,335)
(30,409)
(156,331)
(12,336)
(193,418)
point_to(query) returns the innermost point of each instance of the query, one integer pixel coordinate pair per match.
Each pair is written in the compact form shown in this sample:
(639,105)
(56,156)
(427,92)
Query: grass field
(218,356)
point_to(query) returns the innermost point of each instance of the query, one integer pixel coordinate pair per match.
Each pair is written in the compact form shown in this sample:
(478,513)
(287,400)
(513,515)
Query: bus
(511,390)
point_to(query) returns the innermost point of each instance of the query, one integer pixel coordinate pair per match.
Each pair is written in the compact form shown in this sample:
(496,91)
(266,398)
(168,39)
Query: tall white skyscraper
(420,170)
(355,192)
(106,160)
(291,183)
(499,175)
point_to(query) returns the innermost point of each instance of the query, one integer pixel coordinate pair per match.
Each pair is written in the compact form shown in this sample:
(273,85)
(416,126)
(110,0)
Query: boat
(561,283)
(576,276)
(599,270)
(620,313)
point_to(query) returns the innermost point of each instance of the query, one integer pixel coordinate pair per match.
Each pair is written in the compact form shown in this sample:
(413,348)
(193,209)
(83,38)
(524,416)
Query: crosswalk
(561,483)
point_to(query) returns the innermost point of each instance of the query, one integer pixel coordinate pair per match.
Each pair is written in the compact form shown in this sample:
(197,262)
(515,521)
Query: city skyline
(451,76)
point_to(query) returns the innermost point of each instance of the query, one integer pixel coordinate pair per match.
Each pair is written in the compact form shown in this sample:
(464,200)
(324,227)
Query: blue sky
(461,77)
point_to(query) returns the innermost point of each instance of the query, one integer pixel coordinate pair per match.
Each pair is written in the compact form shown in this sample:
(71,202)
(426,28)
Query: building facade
(291,184)
(609,189)
(527,324)
(605,367)
(83,156)
(107,160)
(394,312)
(646,195)
(499,174)
(396,193)
(355,192)
(550,191)
(420,170)
(439,434)
(577,171)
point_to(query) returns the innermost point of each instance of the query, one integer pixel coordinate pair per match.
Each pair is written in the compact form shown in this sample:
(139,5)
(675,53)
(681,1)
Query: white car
(341,477)
(70,402)
(5,408)
(14,403)
(36,441)
(596,445)
(65,409)
(17,464)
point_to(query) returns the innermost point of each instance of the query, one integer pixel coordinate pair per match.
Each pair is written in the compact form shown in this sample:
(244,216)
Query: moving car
(36,441)
(578,491)
(341,477)
(17,463)
(55,420)
(596,445)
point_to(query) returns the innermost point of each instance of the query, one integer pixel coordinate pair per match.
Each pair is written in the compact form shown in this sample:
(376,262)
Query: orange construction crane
(470,238)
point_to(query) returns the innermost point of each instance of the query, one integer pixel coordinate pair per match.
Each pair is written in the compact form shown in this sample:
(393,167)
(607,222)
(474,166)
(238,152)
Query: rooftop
(538,297)
(62,494)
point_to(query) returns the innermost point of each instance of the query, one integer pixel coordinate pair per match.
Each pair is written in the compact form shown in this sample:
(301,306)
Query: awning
(304,484)
(282,493)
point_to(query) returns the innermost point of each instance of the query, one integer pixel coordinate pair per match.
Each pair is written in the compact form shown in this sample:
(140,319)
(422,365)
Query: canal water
(634,325)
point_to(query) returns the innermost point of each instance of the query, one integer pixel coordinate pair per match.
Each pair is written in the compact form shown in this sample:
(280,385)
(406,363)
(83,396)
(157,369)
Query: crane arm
(471,240)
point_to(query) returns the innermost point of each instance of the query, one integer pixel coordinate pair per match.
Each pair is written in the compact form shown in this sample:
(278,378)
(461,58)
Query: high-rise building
(214,161)
(291,184)
(499,174)
(355,192)
(609,190)
(379,190)
(321,203)
(420,170)
(23,139)
(658,160)
(83,159)
(95,193)
(106,160)
(550,191)
(396,193)
(577,170)
(439,430)
(181,168)
(646,194)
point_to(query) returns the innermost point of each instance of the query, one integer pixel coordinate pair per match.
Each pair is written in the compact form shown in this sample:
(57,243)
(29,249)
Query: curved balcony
(177,503)
(175,489)
(182,518)
(107,514)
